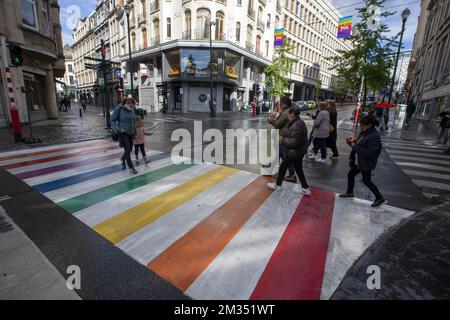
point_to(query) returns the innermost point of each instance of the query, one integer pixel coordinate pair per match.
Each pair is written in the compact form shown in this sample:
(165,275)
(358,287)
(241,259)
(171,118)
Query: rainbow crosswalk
(212,231)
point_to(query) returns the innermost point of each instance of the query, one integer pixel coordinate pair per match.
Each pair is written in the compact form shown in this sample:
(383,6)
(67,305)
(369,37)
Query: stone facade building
(68,83)
(170,46)
(429,78)
(32,26)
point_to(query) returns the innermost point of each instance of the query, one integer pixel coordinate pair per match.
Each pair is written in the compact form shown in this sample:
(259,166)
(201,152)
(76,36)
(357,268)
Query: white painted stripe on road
(105,210)
(354,228)
(427,174)
(423,154)
(431,184)
(43,165)
(82,169)
(55,146)
(163,232)
(235,272)
(433,161)
(412,144)
(72,191)
(403,164)
(420,149)
(29,157)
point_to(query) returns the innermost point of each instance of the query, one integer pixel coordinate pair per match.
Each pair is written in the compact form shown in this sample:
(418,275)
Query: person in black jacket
(331,140)
(295,146)
(363,158)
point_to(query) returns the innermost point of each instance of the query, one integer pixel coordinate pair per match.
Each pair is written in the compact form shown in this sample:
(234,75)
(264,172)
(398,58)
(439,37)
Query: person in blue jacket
(363,158)
(123,121)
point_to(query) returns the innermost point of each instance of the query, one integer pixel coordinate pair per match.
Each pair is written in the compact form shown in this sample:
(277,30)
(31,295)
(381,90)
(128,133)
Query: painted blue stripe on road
(68,181)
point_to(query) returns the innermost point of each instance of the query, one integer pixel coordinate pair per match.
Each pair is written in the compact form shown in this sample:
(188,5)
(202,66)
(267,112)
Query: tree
(277,73)
(371,54)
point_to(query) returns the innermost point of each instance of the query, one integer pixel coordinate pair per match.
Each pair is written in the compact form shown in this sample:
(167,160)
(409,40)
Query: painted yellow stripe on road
(128,222)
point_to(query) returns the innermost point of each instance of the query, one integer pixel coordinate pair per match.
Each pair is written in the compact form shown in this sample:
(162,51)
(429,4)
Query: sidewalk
(68,128)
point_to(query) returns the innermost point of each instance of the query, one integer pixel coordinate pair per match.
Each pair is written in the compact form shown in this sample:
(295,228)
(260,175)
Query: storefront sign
(202,97)
(230,72)
(278,37)
(174,71)
(345,27)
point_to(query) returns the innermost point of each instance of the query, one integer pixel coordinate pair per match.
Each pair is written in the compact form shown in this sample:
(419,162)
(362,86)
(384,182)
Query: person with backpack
(363,159)
(123,122)
(295,146)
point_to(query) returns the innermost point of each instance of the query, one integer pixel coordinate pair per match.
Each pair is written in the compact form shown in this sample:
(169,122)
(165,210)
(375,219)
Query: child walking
(139,140)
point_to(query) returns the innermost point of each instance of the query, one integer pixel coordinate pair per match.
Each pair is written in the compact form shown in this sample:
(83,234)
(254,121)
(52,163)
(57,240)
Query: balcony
(263,2)
(141,18)
(279,8)
(187,35)
(251,13)
(260,25)
(154,6)
(201,34)
(249,45)
(156,40)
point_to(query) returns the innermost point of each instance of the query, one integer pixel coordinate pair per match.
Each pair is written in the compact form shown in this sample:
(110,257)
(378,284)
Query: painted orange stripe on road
(297,266)
(60,157)
(38,153)
(187,258)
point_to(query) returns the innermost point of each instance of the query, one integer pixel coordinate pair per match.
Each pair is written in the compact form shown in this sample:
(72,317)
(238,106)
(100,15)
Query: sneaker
(378,203)
(347,195)
(313,156)
(306,192)
(124,167)
(321,160)
(267,165)
(292,179)
(274,186)
(133,171)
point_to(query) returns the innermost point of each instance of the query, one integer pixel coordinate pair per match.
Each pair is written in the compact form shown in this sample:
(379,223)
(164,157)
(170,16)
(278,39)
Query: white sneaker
(306,192)
(321,160)
(274,186)
(313,156)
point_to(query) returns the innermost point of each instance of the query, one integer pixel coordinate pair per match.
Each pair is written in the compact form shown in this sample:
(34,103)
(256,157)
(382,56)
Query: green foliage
(371,55)
(277,73)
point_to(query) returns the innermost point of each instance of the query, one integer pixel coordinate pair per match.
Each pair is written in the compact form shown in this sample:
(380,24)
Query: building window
(70,68)
(187,21)
(239,2)
(28,10)
(238,31)
(268,20)
(45,17)
(144,38)
(258,45)
(220,17)
(267,48)
(203,19)
(169,28)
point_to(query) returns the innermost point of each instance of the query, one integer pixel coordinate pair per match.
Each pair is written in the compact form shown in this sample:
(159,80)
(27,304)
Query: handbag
(331,129)
(114,133)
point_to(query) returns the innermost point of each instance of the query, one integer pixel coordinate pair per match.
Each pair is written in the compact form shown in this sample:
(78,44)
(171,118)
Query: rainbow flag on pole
(345,27)
(279,37)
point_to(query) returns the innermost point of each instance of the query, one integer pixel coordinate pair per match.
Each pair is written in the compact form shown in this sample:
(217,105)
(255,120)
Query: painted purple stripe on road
(70,165)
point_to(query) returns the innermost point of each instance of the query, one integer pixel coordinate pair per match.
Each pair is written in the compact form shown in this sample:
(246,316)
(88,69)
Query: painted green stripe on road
(86,200)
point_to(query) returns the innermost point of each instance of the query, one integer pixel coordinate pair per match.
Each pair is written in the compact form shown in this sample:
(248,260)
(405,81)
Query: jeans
(291,167)
(298,165)
(320,144)
(367,180)
(138,147)
(126,142)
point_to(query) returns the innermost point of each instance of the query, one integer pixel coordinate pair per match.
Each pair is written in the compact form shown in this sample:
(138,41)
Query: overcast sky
(72,10)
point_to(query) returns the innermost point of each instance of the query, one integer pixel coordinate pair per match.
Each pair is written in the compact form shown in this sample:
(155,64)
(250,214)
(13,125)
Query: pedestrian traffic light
(16,56)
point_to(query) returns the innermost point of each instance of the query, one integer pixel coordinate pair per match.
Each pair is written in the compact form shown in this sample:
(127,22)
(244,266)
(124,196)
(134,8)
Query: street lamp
(212,108)
(127,9)
(405,15)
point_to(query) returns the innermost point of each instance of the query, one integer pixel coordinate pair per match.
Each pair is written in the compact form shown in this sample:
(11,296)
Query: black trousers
(331,142)
(367,180)
(298,166)
(320,144)
(138,147)
(126,142)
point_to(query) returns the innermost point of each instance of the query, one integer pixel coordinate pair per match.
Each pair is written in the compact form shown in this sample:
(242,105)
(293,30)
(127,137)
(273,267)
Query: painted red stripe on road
(37,153)
(295,270)
(60,157)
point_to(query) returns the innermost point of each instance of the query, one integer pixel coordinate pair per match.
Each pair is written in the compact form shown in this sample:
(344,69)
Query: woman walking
(363,158)
(123,121)
(331,140)
(295,146)
(321,129)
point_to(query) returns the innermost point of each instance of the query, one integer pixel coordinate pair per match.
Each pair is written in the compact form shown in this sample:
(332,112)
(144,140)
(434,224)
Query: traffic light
(258,88)
(16,56)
